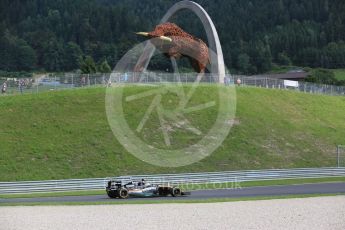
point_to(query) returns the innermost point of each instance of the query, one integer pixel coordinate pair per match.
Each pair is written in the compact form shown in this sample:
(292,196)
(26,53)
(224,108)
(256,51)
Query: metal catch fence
(72,81)
(185,178)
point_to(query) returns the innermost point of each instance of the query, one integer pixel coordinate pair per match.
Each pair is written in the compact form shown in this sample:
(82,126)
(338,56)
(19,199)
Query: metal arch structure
(216,54)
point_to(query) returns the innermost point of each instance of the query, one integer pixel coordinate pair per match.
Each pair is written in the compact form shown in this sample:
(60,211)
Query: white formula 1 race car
(123,189)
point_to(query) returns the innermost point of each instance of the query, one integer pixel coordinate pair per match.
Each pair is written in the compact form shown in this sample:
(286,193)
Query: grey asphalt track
(280,190)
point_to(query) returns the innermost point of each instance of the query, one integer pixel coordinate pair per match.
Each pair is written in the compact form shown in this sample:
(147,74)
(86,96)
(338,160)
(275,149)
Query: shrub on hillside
(322,76)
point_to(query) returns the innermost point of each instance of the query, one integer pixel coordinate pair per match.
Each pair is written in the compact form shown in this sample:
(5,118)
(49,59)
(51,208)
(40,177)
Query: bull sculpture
(174,42)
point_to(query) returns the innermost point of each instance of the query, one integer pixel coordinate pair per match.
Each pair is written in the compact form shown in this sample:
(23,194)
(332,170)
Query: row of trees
(324,76)
(53,35)
(88,65)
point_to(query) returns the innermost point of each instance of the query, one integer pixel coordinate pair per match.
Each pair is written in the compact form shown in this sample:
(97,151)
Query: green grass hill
(65,134)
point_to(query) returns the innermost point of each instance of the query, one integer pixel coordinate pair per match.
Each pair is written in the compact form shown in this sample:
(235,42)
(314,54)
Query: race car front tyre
(176,192)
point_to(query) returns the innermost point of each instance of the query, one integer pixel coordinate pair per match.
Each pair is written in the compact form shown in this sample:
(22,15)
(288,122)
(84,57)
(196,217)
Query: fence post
(266,83)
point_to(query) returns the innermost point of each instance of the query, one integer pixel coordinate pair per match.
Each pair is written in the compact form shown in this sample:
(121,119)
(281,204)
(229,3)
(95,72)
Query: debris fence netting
(73,81)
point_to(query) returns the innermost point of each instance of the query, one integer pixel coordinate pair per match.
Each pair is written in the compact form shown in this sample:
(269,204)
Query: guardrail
(185,178)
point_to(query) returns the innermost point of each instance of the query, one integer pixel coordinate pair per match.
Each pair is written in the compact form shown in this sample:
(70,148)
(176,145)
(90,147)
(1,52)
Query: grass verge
(65,134)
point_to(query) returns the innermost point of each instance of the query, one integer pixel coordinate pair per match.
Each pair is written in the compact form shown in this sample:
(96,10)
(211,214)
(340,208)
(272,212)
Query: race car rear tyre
(123,193)
(176,192)
(112,194)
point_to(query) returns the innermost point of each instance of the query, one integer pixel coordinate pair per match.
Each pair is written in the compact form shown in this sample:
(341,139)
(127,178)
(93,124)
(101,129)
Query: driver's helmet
(144,183)
(141,183)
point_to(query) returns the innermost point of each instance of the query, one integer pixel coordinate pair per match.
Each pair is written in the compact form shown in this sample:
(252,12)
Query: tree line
(63,35)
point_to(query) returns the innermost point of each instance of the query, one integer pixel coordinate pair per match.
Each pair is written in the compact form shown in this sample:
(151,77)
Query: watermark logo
(168,120)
